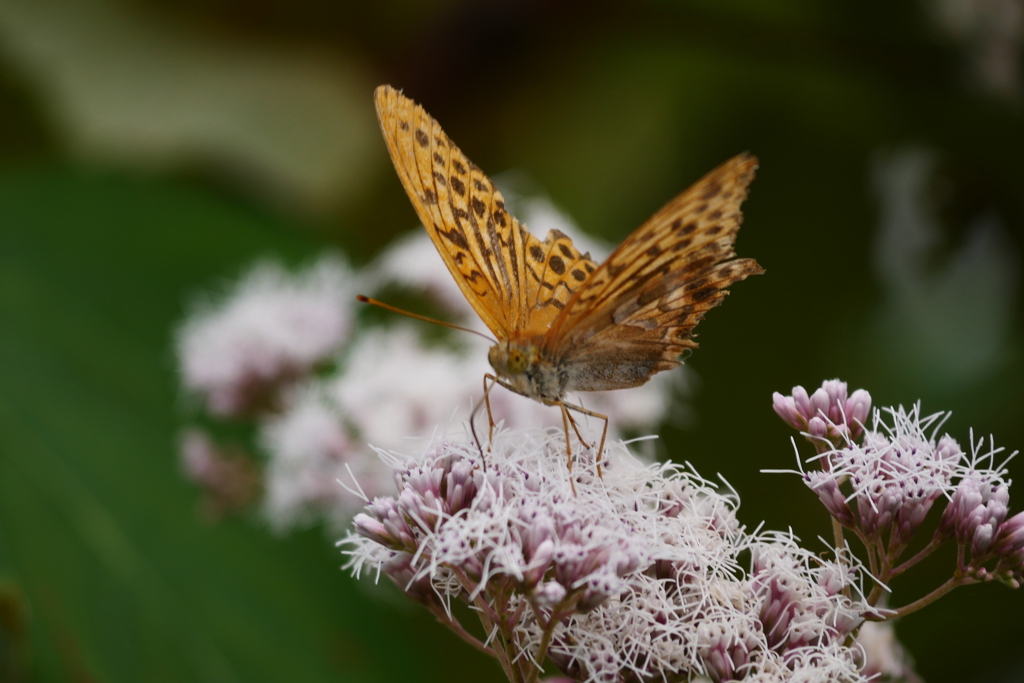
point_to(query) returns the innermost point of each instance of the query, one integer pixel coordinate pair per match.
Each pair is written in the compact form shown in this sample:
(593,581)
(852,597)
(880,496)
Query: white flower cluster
(635,576)
(280,350)
(273,327)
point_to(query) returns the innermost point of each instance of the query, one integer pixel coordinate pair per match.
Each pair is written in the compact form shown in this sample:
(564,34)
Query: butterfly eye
(516,362)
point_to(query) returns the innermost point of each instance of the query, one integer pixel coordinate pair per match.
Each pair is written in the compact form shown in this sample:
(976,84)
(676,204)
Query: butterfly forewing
(517,284)
(635,314)
(462,212)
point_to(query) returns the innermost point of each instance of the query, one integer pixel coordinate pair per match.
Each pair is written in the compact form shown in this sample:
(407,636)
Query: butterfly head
(521,364)
(510,360)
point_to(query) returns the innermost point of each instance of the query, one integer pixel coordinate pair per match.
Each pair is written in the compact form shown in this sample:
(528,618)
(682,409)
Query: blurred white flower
(271,328)
(886,657)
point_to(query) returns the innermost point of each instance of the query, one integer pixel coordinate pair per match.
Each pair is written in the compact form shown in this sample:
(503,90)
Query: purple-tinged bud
(804,630)
(786,408)
(966,499)
(834,577)
(599,589)
(858,408)
(821,402)
(915,507)
(397,534)
(1010,538)
(802,402)
(948,450)
(375,531)
(460,486)
(538,563)
(423,508)
(549,593)
(818,429)
(725,650)
(982,539)
(824,484)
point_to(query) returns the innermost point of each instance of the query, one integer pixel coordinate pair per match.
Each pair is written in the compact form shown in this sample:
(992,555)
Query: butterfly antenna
(393,309)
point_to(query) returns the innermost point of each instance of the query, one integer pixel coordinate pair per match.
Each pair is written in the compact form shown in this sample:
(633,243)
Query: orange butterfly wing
(635,315)
(516,283)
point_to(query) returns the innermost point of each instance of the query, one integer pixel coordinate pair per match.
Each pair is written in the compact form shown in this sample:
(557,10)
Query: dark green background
(106,571)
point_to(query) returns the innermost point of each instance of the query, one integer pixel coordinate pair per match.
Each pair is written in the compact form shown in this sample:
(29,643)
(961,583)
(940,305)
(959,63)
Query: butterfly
(563,323)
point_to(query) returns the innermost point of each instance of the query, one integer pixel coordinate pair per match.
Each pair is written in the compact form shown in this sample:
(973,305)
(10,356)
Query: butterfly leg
(472,429)
(566,419)
(487,401)
(604,432)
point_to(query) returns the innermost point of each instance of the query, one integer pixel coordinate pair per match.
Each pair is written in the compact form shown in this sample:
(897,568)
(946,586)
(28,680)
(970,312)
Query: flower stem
(952,583)
(925,552)
(460,631)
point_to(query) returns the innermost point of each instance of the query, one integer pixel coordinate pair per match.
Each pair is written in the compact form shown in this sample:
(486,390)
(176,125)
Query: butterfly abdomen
(622,373)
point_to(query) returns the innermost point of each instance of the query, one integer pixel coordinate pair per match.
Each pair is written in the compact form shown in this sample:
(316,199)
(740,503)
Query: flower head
(828,416)
(636,574)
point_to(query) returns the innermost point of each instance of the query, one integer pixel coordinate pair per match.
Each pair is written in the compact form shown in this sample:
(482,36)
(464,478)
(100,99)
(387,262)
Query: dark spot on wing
(537,253)
(653,251)
(714,230)
(712,190)
(460,213)
(456,237)
(589,267)
(652,294)
(499,217)
(404,125)
(440,179)
(579,275)
(480,187)
(429,197)
(457,185)
(696,284)
(422,138)
(438,159)
(704,294)
(478,206)
(688,228)
(459,168)
(556,264)
(715,215)
(566,251)
(682,244)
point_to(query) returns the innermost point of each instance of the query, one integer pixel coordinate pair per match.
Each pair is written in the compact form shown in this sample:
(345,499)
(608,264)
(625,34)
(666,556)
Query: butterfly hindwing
(636,313)
(555,270)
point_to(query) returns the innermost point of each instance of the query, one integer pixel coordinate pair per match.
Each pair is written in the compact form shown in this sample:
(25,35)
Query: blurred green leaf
(97,525)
